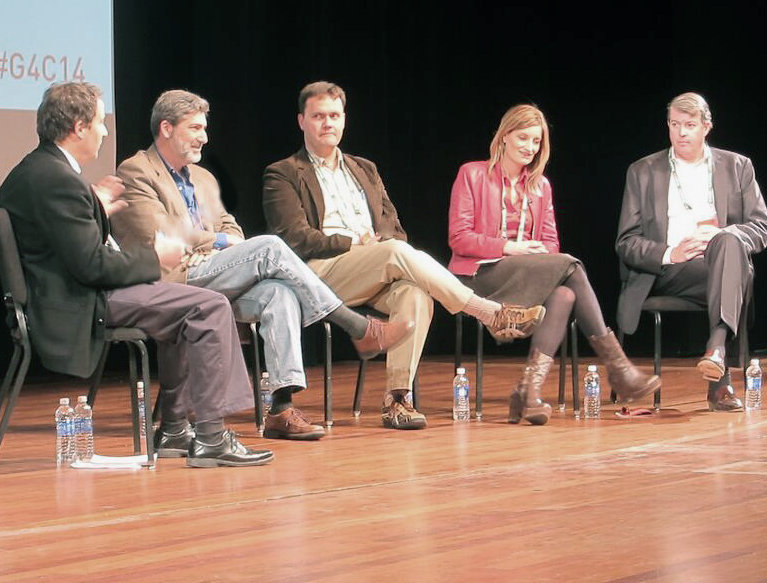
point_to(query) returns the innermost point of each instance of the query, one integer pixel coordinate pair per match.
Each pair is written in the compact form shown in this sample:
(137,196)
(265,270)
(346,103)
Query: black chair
(656,305)
(562,364)
(15,298)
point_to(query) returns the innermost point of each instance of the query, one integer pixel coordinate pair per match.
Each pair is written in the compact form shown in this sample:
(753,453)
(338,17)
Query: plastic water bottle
(592,400)
(83,429)
(754,386)
(265,391)
(461,410)
(65,433)
(141,408)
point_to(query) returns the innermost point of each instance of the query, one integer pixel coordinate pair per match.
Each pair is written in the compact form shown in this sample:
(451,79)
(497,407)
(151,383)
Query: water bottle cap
(460,370)
(64,401)
(82,399)
(592,368)
(264,375)
(755,361)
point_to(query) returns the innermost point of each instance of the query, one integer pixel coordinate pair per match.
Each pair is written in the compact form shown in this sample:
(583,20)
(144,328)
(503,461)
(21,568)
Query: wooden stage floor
(679,497)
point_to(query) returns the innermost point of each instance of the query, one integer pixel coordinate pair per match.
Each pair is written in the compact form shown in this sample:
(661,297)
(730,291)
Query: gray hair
(320,88)
(692,104)
(63,105)
(173,106)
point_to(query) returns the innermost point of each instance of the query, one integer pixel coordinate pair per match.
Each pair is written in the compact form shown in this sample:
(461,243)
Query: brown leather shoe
(711,366)
(382,336)
(721,395)
(512,322)
(628,382)
(526,402)
(291,424)
(398,413)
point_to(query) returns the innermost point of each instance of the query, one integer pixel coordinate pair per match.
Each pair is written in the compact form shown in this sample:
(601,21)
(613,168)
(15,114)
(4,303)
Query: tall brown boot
(628,382)
(526,402)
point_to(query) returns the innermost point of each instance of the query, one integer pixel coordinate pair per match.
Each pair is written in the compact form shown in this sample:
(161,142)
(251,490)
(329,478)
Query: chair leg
(328,375)
(574,367)
(258,411)
(743,343)
(480,369)
(97,375)
(657,357)
(562,372)
(149,436)
(132,380)
(357,407)
(14,379)
(458,340)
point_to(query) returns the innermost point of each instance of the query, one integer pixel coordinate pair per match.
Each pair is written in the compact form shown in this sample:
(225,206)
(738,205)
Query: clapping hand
(109,190)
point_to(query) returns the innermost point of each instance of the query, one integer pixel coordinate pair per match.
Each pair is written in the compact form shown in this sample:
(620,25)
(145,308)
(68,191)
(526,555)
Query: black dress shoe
(724,399)
(228,452)
(173,444)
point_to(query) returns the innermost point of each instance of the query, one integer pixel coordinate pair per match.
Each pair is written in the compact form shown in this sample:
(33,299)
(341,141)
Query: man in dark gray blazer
(79,283)
(692,217)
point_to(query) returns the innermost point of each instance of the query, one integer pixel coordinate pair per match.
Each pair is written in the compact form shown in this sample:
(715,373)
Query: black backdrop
(426,87)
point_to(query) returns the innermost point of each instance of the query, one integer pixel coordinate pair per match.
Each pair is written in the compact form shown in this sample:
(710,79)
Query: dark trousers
(720,280)
(212,380)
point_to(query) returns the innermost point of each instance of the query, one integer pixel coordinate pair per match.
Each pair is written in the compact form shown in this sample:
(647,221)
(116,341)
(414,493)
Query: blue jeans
(265,281)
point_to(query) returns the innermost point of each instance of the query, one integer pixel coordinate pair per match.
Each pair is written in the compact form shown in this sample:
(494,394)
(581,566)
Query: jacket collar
(309,177)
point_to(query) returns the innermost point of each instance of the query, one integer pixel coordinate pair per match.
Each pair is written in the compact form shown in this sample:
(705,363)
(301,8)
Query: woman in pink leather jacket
(505,247)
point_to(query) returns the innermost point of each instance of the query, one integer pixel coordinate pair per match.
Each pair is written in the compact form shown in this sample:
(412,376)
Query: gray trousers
(212,379)
(720,280)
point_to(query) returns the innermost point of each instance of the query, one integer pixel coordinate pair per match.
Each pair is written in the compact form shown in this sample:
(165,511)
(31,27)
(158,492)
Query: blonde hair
(520,117)
(692,104)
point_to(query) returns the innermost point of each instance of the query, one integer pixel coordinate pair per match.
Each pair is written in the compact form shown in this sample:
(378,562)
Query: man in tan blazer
(168,195)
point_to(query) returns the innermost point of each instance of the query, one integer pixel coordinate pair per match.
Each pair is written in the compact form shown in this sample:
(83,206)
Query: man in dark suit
(79,282)
(692,217)
(332,209)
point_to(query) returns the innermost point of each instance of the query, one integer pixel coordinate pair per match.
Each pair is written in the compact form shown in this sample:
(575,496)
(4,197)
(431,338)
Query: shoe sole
(537,416)
(203,462)
(170,453)
(276,434)
(715,409)
(405,426)
(646,392)
(710,370)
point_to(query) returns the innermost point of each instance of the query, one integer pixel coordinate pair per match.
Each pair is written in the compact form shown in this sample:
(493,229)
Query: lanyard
(678,183)
(522,215)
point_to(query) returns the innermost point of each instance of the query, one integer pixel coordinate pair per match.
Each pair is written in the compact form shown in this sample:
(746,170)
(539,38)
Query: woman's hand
(523,248)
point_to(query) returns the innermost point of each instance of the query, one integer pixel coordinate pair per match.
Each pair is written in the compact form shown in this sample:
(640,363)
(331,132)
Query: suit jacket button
(101,320)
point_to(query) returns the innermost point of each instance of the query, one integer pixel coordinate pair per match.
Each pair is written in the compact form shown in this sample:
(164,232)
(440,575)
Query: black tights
(574,295)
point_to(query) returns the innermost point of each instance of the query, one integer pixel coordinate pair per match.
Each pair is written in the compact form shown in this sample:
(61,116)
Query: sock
(717,337)
(282,399)
(399,395)
(482,309)
(173,426)
(350,321)
(210,432)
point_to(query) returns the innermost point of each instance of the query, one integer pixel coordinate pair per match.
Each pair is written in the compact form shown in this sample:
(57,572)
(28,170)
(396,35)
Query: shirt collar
(184,169)
(318,160)
(71,159)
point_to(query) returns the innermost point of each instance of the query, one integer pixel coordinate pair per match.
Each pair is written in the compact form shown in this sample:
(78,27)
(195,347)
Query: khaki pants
(398,280)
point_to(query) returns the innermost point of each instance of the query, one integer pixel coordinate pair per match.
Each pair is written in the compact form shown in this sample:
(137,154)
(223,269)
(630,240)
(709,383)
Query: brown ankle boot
(628,382)
(526,402)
